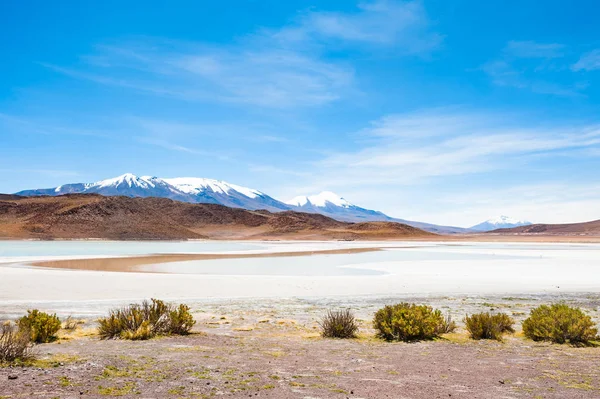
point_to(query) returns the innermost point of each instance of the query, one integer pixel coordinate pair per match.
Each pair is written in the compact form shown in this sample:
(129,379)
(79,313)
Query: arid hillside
(570,229)
(81,216)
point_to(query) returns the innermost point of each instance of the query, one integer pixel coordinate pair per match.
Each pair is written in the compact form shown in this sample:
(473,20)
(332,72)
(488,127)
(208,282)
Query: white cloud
(403,164)
(272,68)
(527,65)
(401,24)
(588,62)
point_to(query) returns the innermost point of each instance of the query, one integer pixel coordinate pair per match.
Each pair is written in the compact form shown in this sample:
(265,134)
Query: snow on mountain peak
(128,179)
(195,185)
(502,219)
(320,200)
(499,222)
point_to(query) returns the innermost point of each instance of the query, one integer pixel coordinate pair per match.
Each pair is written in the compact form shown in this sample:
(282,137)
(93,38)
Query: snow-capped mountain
(192,189)
(336,207)
(201,190)
(500,222)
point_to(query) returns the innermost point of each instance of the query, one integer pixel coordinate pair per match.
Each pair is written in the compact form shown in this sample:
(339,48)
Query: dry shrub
(15,344)
(42,326)
(489,326)
(71,324)
(146,320)
(447,325)
(560,323)
(339,324)
(410,322)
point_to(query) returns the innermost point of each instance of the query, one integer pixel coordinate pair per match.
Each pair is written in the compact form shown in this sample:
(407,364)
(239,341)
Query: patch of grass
(409,322)
(114,372)
(127,389)
(57,360)
(146,320)
(15,344)
(339,324)
(268,386)
(176,391)
(42,326)
(560,323)
(64,381)
(489,326)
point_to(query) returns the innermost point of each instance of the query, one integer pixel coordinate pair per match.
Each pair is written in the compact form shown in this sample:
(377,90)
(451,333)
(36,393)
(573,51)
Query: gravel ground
(274,351)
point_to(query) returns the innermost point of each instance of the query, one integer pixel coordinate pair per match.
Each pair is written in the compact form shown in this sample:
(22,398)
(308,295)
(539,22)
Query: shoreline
(129,264)
(489,237)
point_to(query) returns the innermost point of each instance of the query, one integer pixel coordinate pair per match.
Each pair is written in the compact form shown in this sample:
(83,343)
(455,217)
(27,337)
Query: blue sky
(439,111)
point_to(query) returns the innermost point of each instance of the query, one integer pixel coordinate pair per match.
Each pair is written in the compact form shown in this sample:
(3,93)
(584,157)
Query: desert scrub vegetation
(15,344)
(411,322)
(42,326)
(339,324)
(146,320)
(489,326)
(560,323)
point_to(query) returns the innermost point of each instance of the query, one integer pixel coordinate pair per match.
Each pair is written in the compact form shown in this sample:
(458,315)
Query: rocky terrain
(91,216)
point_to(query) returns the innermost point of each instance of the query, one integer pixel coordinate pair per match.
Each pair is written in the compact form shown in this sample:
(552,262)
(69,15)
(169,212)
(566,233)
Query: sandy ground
(132,263)
(272,349)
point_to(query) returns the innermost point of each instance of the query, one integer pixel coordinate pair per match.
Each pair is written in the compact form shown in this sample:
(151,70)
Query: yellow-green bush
(146,320)
(42,326)
(15,344)
(489,326)
(410,322)
(560,323)
(338,324)
(181,320)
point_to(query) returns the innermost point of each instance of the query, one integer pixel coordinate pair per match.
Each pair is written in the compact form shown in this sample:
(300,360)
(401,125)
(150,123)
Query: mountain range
(500,222)
(94,216)
(210,191)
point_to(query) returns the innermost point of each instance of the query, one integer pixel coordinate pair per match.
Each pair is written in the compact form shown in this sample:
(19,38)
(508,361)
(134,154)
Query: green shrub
(146,320)
(489,326)
(338,324)
(42,326)
(15,344)
(410,322)
(181,320)
(560,323)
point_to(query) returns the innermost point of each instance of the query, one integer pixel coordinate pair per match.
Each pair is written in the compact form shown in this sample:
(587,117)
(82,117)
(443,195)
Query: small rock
(12,377)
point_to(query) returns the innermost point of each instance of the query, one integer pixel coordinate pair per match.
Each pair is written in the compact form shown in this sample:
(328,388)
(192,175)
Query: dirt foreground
(273,350)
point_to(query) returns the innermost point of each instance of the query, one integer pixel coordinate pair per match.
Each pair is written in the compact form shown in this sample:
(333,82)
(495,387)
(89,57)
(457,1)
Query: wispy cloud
(531,49)
(400,24)
(408,148)
(545,202)
(532,66)
(273,68)
(588,61)
(402,157)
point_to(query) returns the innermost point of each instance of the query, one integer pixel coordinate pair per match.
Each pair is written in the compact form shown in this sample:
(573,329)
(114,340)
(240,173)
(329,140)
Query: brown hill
(81,216)
(570,229)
